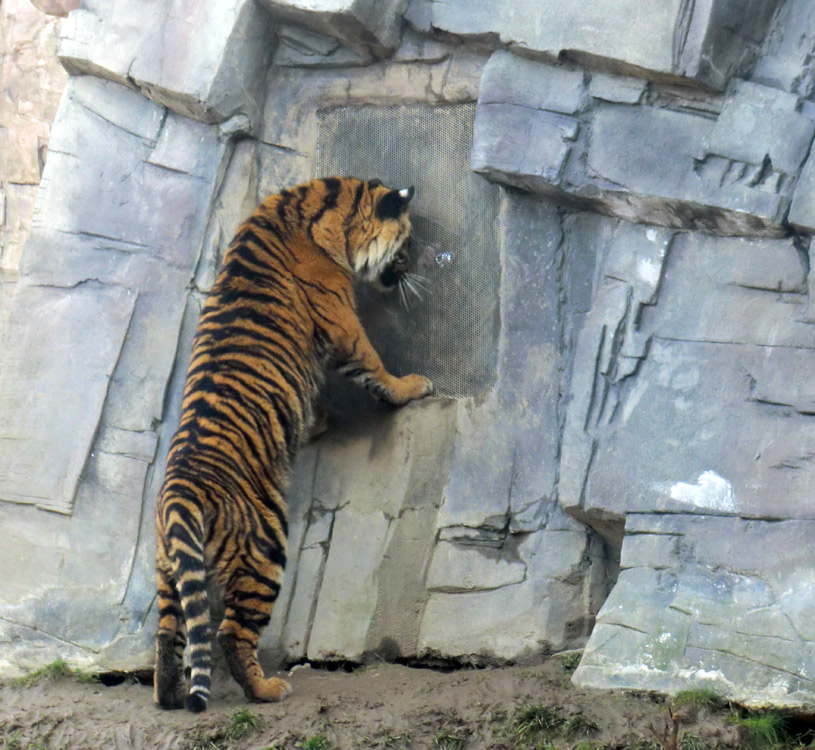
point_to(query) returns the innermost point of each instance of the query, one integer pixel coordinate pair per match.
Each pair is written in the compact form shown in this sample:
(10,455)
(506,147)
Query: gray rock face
(208,66)
(370,27)
(644,369)
(32,80)
(656,162)
(647,308)
(708,43)
(698,602)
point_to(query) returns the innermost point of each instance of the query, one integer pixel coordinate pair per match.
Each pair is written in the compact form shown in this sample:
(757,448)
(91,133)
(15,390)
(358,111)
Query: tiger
(280,314)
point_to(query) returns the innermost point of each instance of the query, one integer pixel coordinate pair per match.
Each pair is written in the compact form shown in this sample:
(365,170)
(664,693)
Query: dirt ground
(380,706)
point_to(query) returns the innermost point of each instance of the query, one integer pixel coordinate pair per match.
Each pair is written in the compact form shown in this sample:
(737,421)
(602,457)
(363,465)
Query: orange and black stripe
(281,310)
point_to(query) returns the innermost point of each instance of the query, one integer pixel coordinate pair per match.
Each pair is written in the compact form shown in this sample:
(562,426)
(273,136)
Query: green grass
(570,660)
(698,698)
(764,731)
(56,670)
(315,742)
(449,740)
(579,726)
(535,718)
(396,740)
(539,727)
(242,723)
(690,741)
(11,741)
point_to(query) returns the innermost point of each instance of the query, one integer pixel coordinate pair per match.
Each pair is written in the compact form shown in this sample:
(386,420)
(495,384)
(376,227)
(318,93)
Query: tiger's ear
(393,203)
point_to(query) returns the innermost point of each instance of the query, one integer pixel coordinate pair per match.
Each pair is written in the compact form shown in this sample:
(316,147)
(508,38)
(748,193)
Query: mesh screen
(451,334)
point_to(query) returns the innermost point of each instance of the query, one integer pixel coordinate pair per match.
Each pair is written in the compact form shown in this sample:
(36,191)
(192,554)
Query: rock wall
(31,82)
(631,476)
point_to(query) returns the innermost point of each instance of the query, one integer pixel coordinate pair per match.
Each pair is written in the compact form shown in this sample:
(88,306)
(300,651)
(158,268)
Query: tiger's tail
(185,548)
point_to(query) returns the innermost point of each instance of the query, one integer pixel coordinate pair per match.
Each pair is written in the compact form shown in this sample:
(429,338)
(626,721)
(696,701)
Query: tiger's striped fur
(281,310)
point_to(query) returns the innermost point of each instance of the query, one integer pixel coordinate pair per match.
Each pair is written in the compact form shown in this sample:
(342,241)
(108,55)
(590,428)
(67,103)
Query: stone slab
(662,320)
(299,47)
(802,214)
(707,43)
(348,594)
(72,350)
(757,124)
(786,61)
(670,164)
(370,27)
(206,62)
(620,89)
(469,568)
(718,613)
(517,621)
(509,79)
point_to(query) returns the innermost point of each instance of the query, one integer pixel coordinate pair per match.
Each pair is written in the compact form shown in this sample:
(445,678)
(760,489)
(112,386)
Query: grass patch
(199,740)
(396,740)
(448,739)
(579,726)
(242,723)
(315,742)
(534,721)
(570,660)
(697,699)
(690,741)
(56,670)
(765,731)
(537,727)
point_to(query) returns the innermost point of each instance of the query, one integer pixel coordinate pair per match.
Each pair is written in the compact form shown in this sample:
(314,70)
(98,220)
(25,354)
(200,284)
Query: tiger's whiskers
(412,284)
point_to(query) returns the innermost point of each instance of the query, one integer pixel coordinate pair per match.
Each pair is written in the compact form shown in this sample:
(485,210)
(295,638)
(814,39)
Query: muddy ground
(379,706)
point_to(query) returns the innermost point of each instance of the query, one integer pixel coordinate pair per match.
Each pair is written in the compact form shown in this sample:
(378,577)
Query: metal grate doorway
(450,335)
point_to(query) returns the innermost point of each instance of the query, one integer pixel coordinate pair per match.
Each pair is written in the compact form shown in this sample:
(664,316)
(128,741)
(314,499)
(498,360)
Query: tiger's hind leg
(169,689)
(249,600)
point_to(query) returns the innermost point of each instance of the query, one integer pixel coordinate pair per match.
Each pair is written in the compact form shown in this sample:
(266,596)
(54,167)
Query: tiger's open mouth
(397,275)
(396,268)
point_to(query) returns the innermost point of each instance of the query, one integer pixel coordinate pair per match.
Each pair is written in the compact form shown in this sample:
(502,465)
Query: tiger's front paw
(412,387)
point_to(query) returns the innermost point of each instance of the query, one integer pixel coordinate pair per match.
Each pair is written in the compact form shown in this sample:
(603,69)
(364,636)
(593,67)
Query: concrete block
(735,309)
(619,31)
(508,623)
(657,551)
(645,150)
(648,164)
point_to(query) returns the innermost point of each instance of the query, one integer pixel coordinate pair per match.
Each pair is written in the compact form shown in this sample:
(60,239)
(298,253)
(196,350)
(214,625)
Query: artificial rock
(549,133)
(632,472)
(365,25)
(700,601)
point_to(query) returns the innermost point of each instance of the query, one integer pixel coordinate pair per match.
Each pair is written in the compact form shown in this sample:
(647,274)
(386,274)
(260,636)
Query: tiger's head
(380,253)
